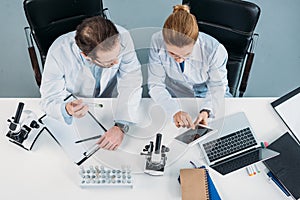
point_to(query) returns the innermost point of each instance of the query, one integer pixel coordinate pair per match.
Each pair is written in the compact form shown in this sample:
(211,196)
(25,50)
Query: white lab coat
(204,75)
(66,72)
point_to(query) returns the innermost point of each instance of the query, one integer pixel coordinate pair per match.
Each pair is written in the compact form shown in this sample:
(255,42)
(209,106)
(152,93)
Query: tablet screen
(193,135)
(287,108)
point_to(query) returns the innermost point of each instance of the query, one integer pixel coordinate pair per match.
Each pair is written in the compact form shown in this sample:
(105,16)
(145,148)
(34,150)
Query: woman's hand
(183,119)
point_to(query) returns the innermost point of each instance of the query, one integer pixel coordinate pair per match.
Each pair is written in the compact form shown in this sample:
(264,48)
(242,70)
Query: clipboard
(67,135)
(288,109)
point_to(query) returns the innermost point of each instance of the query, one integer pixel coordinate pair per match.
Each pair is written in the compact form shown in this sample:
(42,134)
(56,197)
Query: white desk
(47,173)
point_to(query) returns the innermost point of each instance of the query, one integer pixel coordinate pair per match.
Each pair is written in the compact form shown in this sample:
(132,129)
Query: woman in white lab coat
(90,62)
(184,62)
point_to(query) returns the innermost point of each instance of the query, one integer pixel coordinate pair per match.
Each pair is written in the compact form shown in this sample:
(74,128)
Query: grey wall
(276,67)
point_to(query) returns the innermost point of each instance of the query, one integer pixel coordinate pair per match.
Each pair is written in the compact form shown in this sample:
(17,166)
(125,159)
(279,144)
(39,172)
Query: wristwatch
(124,127)
(206,110)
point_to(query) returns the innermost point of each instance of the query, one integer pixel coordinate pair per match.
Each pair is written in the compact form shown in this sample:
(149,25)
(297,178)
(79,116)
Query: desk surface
(46,172)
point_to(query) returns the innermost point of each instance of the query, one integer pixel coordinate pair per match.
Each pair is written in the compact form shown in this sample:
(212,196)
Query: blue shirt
(96,71)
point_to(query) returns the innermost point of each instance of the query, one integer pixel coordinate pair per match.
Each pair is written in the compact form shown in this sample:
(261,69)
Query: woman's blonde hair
(180,28)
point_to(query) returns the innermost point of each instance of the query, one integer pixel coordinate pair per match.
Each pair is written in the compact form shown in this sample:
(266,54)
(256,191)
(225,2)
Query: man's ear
(85,56)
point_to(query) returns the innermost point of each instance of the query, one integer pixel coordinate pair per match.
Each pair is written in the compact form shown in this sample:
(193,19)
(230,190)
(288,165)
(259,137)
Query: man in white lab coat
(90,62)
(184,62)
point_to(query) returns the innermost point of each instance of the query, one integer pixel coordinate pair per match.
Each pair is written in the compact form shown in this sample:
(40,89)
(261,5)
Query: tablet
(288,108)
(193,136)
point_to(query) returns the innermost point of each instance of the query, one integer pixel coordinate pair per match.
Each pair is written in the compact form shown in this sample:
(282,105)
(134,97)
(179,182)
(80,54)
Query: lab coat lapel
(85,82)
(171,67)
(106,76)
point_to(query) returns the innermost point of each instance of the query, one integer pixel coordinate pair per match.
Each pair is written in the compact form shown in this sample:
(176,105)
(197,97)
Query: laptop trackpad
(244,159)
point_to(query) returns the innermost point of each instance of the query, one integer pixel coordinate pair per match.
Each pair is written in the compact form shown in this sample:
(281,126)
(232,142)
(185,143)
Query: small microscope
(23,133)
(155,158)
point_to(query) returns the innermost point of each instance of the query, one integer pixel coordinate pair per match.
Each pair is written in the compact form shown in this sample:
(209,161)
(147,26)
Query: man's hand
(77,108)
(183,119)
(112,139)
(202,118)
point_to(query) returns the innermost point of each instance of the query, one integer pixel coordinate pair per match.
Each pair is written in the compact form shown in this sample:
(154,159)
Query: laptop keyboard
(230,165)
(229,144)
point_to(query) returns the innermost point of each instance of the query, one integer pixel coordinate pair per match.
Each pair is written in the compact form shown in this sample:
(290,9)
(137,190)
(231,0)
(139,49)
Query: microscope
(155,158)
(24,133)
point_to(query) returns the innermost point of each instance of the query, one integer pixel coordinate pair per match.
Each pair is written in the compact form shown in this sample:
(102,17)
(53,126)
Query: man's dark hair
(96,32)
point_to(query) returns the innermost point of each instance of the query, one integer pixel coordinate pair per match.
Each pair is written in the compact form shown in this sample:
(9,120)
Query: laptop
(236,145)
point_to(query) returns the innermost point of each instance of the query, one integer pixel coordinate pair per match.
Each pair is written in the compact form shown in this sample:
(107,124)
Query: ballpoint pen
(276,181)
(98,105)
(87,139)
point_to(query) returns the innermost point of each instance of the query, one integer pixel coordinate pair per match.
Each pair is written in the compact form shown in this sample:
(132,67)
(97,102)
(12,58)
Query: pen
(98,105)
(194,165)
(87,139)
(275,180)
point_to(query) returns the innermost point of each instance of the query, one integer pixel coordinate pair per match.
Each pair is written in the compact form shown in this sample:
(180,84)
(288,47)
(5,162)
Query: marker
(256,168)
(250,171)
(254,171)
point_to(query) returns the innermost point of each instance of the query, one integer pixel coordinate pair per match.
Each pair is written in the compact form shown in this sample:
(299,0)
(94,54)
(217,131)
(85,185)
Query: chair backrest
(232,23)
(48,19)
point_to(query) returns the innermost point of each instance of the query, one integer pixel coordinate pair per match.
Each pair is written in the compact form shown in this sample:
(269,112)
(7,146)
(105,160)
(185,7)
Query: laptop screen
(242,160)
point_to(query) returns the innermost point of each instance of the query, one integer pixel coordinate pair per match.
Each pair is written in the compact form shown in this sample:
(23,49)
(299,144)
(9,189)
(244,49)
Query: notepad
(285,167)
(194,184)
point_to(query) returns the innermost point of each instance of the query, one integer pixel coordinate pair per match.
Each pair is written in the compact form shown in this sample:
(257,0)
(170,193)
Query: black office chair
(232,23)
(48,19)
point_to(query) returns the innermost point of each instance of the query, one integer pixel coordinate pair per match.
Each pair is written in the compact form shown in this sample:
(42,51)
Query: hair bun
(181,8)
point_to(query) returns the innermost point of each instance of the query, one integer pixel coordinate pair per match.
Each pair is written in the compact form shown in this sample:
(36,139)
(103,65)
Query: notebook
(194,184)
(285,167)
(236,145)
(212,190)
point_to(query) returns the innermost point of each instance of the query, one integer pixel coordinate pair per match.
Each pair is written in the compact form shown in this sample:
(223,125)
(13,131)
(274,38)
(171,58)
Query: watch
(124,127)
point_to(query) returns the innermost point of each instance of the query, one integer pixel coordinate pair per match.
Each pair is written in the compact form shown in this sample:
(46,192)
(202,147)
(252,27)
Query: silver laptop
(236,145)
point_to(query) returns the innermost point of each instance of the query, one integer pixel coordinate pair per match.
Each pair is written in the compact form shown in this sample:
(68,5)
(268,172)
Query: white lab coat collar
(106,75)
(195,55)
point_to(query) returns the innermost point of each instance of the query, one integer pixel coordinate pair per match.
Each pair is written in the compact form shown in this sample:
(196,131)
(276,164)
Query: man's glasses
(110,63)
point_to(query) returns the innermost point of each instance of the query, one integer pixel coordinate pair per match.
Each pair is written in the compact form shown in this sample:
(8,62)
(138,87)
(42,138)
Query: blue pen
(275,180)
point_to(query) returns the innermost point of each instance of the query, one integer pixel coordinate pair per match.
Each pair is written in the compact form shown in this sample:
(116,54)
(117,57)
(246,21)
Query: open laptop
(236,145)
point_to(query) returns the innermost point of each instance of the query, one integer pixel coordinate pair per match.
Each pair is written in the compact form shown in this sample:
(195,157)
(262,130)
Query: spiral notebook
(212,190)
(194,184)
